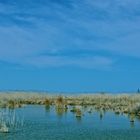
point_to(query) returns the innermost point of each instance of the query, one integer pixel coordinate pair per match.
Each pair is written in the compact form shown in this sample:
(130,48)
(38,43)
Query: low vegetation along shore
(120,104)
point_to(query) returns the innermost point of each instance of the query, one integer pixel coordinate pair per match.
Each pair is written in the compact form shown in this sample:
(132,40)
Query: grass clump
(78,113)
(135,110)
(47,102)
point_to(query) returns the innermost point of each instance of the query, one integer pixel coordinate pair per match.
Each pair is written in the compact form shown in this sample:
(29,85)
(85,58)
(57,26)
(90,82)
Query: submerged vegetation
(120,104)
(9,120)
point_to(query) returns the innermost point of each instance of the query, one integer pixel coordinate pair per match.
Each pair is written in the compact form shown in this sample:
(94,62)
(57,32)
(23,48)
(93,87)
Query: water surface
(42,123)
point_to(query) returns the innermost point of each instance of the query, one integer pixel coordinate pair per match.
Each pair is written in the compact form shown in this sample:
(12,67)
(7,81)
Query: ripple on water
(42,124)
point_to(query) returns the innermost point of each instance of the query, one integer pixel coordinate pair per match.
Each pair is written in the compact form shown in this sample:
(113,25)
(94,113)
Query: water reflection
(78,119)
(83,111)
(138,118)
(101,113)
(3,136)
(132,124)
(132,120)
(40,125)
(47,108)
(60,111)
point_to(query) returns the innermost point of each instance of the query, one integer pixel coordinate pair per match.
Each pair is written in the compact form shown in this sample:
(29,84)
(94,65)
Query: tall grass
(9,120)
(120,103)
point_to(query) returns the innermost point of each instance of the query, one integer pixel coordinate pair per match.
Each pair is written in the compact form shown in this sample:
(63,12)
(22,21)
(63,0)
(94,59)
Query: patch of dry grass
(119,103)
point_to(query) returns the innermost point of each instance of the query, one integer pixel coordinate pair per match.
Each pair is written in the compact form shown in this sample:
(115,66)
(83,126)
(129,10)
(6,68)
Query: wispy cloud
(103,29)
(96,62)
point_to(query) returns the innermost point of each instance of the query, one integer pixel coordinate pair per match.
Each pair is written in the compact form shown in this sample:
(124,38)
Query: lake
(44,123)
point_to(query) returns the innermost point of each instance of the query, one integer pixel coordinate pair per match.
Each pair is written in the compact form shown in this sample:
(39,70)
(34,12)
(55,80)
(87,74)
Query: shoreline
(119,103)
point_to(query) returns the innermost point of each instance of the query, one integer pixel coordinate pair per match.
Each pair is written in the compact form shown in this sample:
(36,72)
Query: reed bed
(128,104)
(119,103)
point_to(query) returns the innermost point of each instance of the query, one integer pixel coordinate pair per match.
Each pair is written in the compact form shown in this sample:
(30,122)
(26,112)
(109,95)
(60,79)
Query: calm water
(42,123)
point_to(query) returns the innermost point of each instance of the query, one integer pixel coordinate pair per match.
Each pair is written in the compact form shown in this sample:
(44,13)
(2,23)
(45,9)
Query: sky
(70,45)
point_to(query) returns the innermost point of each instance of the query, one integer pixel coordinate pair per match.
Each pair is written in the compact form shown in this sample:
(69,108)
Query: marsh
(94,116)
(49,124)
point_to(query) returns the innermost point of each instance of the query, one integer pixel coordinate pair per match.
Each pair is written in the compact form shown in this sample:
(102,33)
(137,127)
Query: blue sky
(70,45)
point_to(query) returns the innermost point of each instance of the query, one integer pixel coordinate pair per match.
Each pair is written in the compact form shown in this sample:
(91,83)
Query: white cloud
(95,62)
(89,25)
